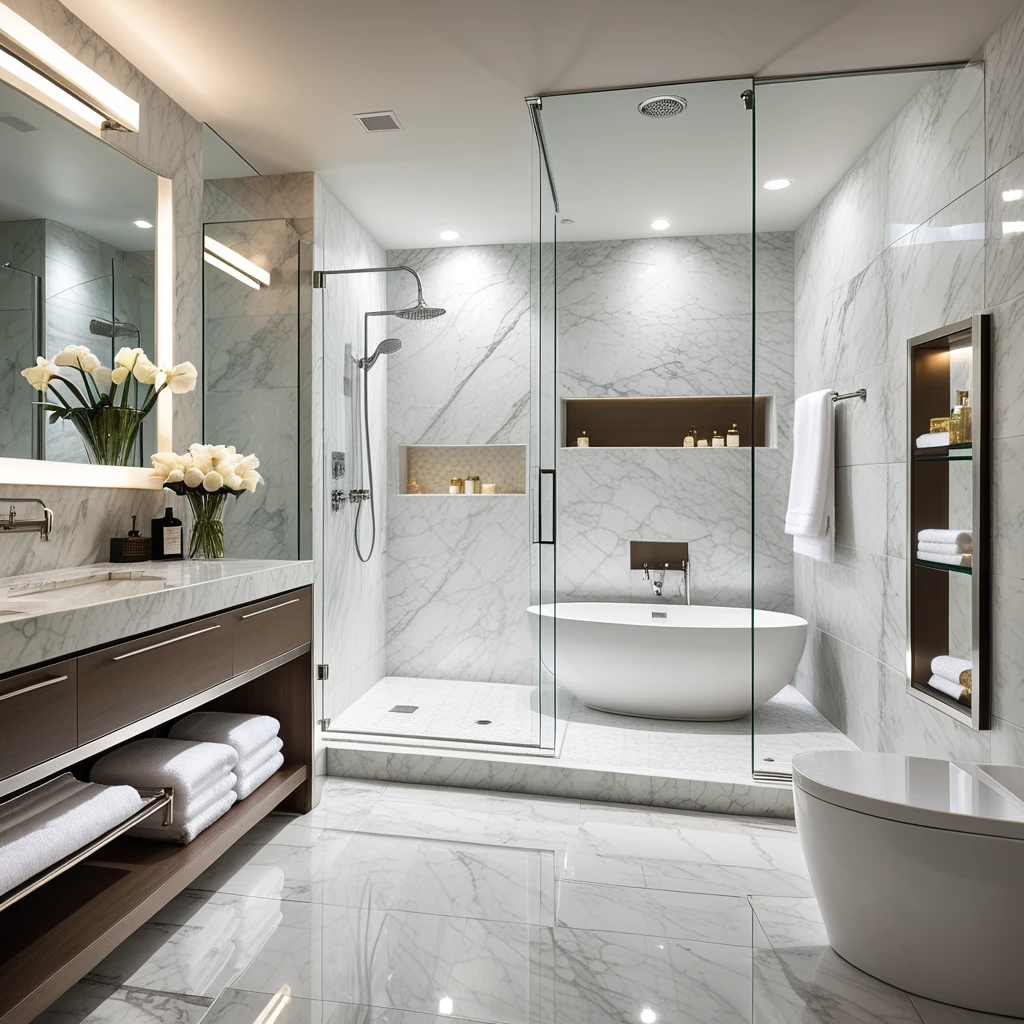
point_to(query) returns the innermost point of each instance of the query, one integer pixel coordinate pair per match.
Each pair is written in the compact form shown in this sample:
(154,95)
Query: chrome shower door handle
(546,500)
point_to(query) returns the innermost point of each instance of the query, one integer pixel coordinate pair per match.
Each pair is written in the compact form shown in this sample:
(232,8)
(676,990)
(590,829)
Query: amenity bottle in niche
(455,485)
(717,441)
(167,537)
(966,435)
(732,436)
(472,485)
(583,441)
(690,441)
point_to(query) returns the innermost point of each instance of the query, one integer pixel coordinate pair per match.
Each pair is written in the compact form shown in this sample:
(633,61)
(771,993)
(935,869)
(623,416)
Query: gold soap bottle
(960,419)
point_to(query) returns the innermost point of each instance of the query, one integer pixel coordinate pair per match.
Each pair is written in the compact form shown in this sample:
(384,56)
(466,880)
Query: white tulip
(233,482)
(148,373)
(175,476)
(40,375)
(213,481)
(218,452)
(194,477)
(103,377)
(76,355)
(128,357)
(202,462)
(250,479)
(182,378)
(165,461)
(118,374)
(249,462)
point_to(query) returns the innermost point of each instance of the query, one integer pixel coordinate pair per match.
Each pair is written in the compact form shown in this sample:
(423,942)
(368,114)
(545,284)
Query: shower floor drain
(404,709)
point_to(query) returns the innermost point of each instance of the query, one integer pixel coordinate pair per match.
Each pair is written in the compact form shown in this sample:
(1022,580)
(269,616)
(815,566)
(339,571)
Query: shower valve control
(359,494)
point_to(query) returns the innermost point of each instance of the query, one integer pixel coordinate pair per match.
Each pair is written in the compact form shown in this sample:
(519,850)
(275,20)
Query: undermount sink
(39,597)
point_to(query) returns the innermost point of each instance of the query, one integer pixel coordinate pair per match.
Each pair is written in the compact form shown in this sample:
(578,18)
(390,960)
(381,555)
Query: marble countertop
(48,615)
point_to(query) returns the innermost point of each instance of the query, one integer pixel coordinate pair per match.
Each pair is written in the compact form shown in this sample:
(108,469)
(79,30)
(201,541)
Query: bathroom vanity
(96,656)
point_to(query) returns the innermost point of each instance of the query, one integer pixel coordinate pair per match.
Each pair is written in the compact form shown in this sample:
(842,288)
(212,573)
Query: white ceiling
(62,173)
(280,81)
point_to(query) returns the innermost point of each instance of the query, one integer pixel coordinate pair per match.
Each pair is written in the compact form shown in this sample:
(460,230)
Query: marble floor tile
(350,1013)
(236,1006)
(344,804)
(672,915)
(485,882)
(790,922)
(91,1002)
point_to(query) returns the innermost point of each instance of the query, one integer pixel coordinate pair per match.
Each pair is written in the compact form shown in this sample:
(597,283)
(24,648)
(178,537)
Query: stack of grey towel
(949,547)
(53,821)
(201,775)
(254,738)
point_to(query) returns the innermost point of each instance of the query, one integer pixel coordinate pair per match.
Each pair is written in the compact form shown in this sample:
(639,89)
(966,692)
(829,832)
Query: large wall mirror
(79,256)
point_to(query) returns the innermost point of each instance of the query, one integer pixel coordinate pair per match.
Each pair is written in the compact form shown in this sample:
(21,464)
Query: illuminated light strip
(83,84)
(227,255)
(42,88)
(228,269)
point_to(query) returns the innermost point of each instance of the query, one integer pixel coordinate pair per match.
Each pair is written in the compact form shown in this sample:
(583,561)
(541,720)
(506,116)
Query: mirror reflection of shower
(419,310)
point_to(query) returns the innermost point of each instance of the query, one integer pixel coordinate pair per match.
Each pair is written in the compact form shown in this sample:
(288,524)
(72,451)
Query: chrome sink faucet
(12,524)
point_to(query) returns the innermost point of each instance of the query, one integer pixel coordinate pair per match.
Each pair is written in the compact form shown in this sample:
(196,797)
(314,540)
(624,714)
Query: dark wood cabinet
(271,628)
(38,716)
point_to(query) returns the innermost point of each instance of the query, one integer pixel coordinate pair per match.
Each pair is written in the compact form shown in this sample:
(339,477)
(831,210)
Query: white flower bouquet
(206,474)
(111,403)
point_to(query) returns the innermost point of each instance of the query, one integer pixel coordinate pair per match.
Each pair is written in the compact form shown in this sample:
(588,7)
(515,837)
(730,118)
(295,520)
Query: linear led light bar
(33,62)
(239,264)
(228,269)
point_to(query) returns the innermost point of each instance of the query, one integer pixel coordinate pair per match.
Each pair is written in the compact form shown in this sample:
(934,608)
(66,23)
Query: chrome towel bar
(859,393)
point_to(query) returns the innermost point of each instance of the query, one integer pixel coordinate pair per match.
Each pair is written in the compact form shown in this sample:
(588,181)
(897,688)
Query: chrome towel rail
(859,393)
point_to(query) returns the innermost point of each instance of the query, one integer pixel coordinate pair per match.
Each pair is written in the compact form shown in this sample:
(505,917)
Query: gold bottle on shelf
(960,419)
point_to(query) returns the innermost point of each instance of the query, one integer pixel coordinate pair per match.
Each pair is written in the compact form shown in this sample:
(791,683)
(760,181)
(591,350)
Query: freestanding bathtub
(670,661)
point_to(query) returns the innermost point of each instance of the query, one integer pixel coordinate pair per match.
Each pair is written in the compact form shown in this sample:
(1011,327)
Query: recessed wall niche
(429,469)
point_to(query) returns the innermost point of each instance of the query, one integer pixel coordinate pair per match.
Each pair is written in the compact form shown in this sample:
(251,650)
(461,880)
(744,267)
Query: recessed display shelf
(428,469)
(665,422)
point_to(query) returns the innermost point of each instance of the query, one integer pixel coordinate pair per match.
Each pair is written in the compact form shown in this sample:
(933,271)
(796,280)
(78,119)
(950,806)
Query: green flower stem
(207,524)
(109,433)
(93,399)
(71,387)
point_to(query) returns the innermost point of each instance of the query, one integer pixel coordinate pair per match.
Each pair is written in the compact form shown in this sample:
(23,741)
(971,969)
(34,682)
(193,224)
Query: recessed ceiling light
(449,236)
(660,224)
(774,184)
(648,1016)
(1011,195)
(142,224)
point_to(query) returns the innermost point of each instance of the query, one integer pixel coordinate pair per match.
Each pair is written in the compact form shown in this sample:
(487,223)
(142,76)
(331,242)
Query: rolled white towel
(939,439)
(256,761)
(18,810)
(190,768)
(954,690)
(59,830)
(256,778)
(945,666)
(246,733)
(963,539)
(941,549)
(930,556)
(186,831)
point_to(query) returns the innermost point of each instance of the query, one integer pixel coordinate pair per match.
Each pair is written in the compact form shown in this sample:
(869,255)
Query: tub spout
(656,578)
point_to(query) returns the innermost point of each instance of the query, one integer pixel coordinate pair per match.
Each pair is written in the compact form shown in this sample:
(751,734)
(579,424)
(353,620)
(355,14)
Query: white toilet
(918,867)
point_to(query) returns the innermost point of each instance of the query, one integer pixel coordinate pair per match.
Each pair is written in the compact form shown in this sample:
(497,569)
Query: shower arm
(319,275)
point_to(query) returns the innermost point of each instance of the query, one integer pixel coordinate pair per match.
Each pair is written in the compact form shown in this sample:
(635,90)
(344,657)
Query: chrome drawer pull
(272,608)
(34,686)
(164,643)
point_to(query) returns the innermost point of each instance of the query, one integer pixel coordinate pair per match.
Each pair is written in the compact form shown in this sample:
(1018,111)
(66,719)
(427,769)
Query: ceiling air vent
(379,121)
(15,122)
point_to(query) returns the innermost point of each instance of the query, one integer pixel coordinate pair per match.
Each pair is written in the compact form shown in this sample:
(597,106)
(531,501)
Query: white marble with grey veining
(191,589)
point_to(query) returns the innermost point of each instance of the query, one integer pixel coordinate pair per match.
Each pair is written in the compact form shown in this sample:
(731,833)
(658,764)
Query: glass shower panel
(20,343)
(654,306)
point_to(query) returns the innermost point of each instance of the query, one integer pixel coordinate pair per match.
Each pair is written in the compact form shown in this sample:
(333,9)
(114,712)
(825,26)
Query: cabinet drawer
(272,627)
(38,718)
(122,684)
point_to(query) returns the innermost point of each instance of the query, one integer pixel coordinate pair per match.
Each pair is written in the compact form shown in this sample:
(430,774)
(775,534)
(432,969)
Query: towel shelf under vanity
(948,489)
(60,716)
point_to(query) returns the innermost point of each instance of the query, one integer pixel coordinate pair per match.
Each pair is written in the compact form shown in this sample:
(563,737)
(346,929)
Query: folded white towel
(186,831)
(942,549)
(197,806)
(931,556)
(945,666)
(954,690)
(246,733)
(256,761)
(59,830)
(256,778)
(810,516)
(190,768)
(940,439)
(963,539)
(23,807)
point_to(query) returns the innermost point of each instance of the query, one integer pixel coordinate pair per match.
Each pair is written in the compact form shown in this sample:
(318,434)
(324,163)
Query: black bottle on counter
(168,541)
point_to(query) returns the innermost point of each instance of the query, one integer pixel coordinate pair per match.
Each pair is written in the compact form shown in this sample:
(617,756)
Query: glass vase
(207,524)
(109,433)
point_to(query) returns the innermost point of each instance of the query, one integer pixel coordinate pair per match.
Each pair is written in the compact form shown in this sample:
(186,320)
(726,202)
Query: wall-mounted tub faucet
(12,524)
(656,578)
(656,558)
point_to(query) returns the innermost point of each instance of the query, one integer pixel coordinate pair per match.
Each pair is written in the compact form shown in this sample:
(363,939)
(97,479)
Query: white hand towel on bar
(810,518)
(85,813)
(246,733)
(931,556)
(190,768)
(942,549)
(945,666)
(18,810)
(258,776)
(963,539)
(256,761)
(186,831)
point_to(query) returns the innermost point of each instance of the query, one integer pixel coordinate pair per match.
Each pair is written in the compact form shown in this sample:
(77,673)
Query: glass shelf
(966,569)
(954,453)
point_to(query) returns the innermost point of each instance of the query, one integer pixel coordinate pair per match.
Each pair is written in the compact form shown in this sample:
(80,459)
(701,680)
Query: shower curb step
(550,777)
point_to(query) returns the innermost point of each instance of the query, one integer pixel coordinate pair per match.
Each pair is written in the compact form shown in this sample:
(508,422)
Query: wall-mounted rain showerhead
(662,106)
(421,311)
(112,329)
(389,346)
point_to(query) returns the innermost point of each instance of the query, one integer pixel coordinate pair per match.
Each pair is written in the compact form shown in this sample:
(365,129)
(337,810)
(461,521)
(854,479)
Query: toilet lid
(954,795)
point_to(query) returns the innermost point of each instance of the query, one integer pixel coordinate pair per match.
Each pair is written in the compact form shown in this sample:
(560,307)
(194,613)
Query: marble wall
(649,317)
(911,239)
(169,143)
